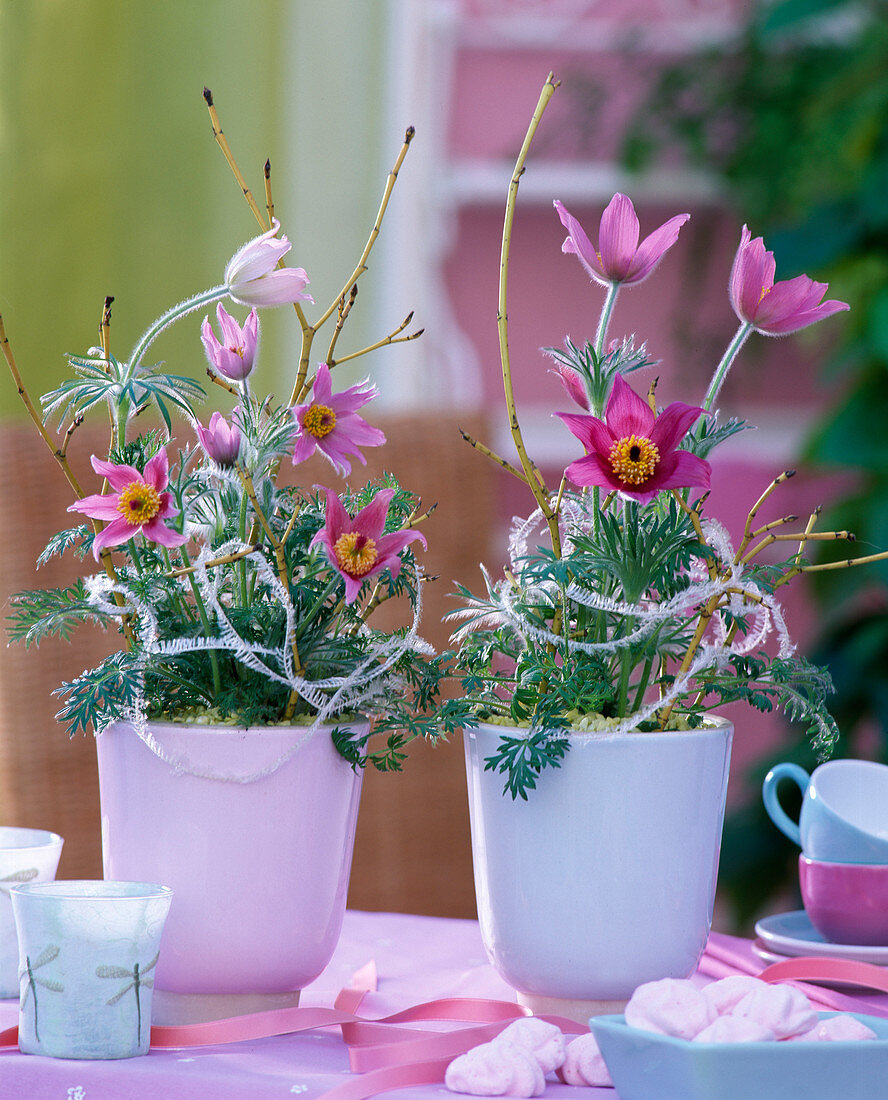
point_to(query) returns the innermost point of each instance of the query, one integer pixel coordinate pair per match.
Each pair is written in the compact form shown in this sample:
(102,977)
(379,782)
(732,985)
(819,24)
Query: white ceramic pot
(259,869)
(605,877)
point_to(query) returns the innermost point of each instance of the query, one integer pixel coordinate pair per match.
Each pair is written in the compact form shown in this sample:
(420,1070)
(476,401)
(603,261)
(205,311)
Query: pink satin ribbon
(384,1056)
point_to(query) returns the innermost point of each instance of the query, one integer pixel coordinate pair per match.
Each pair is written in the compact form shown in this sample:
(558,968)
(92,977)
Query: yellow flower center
(319,421)
(138,503)
(634,459)
(356,553)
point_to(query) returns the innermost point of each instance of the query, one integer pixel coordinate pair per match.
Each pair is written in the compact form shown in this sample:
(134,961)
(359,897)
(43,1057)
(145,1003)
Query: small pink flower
(138,505)
(634,451)
(253,278)
(619,258)
(357,548)
(330,422)
(774,309)
(235,355)
(572,381)
(220,440)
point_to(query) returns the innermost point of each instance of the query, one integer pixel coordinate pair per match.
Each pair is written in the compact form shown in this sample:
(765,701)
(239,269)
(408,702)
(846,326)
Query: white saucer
(793,934)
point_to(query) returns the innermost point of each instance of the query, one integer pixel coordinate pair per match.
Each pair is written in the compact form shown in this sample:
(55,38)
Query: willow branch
(747,529)
(344,309)
(222,142)
(493,456)
(105,328)
(392,338)
(269,201)
(225,559)
(540,494)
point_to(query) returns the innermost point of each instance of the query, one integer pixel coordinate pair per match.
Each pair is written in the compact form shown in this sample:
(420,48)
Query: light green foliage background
(111,182)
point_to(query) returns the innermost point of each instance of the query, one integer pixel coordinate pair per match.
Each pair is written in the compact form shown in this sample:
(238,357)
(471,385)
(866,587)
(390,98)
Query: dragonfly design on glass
(137,979)
(8,881)
(27,972)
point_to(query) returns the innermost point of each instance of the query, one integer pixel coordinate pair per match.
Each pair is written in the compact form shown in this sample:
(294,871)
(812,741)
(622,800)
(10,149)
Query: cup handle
(772,802)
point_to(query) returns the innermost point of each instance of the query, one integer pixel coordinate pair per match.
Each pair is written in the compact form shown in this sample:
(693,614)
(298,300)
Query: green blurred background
(111,182)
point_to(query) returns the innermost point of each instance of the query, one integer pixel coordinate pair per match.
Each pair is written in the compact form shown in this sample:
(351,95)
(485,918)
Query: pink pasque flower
(138,505)
(774,309)
(357,548)
(235,355)
(220,440)
(619,257)
(634,451)
(330,422)
(253,278)
(573,384)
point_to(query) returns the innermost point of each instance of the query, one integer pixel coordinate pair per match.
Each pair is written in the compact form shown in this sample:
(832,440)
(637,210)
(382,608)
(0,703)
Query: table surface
(418,959)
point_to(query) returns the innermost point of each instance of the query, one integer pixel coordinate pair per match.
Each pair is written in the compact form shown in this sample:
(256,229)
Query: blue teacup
(844,816)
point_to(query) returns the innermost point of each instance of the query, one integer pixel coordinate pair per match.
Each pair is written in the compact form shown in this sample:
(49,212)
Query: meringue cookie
(499,1068)
(544,1041)
(726,993)
(583,1063)
(670,1006)
(734,1029)
(780,1008)
(835,1029)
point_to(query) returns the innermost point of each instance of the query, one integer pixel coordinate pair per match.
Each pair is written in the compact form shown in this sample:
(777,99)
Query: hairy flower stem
(216,294)
(721,371)
(242,567)
(205,621)
(603,322)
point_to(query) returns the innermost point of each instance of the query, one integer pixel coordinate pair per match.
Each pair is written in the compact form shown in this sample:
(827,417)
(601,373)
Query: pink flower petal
(370,521)
(593,433)
(322,387)
(352,399)
(97,506)
(579,245)
(672,425)
(804,318)
(118,477)
(118,531)
(618,237)
(157,531)
(653,247)
(626,413)
(304,447)
(157,471)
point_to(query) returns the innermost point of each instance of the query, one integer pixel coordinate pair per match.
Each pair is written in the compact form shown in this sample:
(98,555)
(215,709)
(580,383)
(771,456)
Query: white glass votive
(87,952)
(26,855)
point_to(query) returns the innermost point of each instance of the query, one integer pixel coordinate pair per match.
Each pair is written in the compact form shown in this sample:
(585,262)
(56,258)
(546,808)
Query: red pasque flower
(634,451)
(138,505)
(357,547)
(619,257)
(774,309)
(330,423)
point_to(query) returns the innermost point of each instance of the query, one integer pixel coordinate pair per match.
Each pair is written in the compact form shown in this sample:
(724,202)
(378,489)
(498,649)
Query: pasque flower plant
(240,597)
(623,605)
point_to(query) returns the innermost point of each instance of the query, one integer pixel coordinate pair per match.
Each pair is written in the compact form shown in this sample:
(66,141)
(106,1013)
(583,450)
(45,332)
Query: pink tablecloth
(418,959)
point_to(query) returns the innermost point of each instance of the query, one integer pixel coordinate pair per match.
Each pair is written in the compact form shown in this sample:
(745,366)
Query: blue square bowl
(647,1066)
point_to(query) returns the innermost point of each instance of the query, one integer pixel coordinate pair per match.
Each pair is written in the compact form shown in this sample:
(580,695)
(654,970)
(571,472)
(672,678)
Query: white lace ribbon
(370,680)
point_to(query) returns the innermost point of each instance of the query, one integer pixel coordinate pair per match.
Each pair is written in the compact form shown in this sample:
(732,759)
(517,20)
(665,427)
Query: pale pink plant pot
(605,877)
(259,870)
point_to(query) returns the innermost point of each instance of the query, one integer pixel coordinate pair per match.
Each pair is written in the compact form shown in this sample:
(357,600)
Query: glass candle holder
(87,952)
(26,855)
